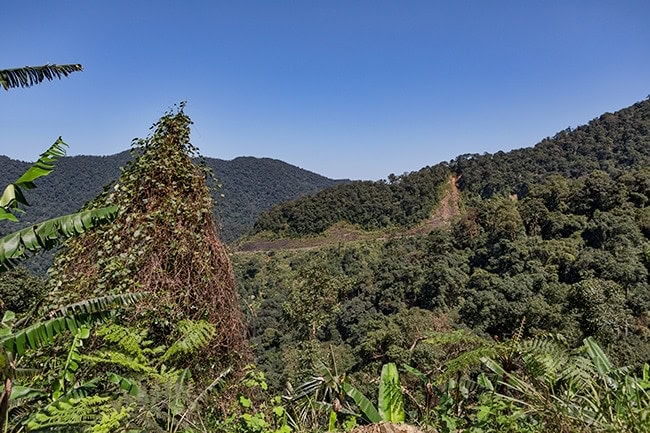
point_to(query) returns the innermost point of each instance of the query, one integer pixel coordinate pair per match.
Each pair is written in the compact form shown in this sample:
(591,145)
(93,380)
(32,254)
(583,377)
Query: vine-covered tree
(163,242)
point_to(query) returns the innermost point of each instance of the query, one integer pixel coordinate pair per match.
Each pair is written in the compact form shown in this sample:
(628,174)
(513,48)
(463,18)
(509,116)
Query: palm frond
(49,234)
(31,75)
(194,335)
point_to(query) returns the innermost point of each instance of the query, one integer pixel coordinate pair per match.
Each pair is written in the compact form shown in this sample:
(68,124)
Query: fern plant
(164,398)
(565,390)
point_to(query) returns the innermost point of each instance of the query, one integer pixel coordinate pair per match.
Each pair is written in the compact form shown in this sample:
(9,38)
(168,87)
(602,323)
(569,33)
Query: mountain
(613,143)
(248,186)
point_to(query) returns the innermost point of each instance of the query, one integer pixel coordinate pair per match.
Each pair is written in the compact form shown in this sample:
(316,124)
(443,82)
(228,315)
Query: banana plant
(28,76)
(13,194)
(48,234)
(390,398)
(330,390)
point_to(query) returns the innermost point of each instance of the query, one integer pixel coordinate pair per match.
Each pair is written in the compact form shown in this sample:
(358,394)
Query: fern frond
(73,414)
(127,340)
(194,335)
(119,359)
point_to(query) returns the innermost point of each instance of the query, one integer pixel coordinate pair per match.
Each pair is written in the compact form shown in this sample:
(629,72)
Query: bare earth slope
(443,215)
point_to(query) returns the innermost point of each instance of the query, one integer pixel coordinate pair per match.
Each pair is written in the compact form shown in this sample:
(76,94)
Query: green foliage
(614,143)
(573,390)
(123,386)
(88,414)
(49,234)
(164,242)
(13,194)
(68,407)
(193,336)
(20,291)
(68,318)
(260,414)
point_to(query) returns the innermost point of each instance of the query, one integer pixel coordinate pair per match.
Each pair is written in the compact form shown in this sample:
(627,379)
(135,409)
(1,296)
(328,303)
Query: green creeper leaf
(245,402)
(8,316)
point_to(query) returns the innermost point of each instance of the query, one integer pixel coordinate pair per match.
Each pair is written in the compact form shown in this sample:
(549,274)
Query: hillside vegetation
(553,244)
(613,143)
(520,304)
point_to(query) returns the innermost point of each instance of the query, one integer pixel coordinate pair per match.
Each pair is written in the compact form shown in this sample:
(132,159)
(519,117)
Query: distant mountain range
(248,186)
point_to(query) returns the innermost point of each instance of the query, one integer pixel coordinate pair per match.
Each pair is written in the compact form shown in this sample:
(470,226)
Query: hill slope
(614,143)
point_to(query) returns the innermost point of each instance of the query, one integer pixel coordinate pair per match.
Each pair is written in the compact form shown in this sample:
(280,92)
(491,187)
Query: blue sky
(348,89)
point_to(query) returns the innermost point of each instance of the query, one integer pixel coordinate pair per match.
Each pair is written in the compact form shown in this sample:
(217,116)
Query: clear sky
(348,89)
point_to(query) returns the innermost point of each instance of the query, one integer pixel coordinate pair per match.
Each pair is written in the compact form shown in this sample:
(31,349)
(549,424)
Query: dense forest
(529,312)
(402,201)
(553,241)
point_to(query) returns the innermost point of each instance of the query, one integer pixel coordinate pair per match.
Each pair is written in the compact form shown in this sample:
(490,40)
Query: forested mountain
(402,201)
(249,185)
(613,143)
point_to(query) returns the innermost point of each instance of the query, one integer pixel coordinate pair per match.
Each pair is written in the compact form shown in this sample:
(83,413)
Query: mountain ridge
(612,142)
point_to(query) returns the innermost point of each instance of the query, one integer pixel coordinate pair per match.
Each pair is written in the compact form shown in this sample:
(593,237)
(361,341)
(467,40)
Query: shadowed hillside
(249,186)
